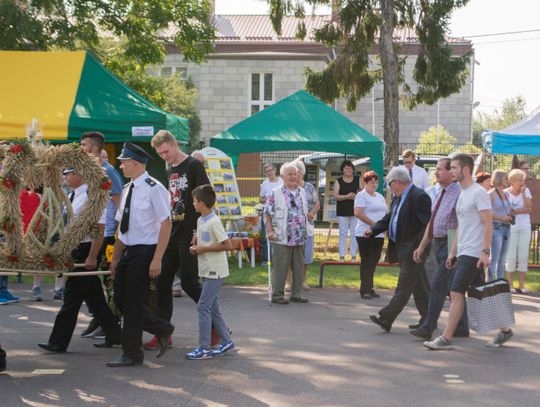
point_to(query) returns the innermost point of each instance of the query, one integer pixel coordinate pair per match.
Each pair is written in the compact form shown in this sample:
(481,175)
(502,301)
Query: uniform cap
(67,171)
(132,151)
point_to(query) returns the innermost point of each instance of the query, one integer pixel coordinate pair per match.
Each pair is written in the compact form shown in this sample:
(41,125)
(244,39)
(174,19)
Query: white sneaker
(439,343)
(501,338)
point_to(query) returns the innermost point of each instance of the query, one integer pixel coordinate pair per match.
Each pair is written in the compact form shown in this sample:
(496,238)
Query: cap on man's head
(132,151)
(68,170)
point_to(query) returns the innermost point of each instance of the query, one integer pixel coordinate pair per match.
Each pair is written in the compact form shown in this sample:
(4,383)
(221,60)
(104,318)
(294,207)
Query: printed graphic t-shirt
(181,180)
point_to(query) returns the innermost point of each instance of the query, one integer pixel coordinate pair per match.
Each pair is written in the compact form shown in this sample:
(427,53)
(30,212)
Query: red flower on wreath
(7,225)
(16,148)
(8,183)
(106,184)
(12,258)
(48,260)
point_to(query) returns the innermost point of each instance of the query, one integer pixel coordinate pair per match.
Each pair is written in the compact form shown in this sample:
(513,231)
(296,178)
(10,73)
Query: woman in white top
(369,207)
(267,186)
(519,197)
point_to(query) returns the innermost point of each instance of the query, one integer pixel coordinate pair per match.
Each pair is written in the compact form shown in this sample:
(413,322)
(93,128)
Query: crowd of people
(159,232)
(152,230)
(462,222)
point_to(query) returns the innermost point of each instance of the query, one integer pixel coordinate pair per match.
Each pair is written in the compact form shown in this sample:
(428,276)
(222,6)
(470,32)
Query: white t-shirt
(523,220)
(267,186)
(420,177)
(210,231)
(471,229)
(374,208)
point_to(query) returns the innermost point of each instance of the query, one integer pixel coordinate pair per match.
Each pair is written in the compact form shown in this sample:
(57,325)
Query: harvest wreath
(47,244)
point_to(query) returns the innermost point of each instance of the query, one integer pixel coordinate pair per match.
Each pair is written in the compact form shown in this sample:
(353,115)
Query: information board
(220,171)
(329,207)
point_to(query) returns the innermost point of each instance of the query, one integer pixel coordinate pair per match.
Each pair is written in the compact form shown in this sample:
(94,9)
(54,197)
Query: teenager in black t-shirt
(185,174)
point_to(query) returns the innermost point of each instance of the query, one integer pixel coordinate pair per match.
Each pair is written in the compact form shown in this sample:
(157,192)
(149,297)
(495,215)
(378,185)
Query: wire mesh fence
(250,174)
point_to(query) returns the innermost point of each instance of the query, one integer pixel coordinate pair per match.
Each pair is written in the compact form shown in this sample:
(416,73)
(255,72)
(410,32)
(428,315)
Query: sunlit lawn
(340,276)
(334,276)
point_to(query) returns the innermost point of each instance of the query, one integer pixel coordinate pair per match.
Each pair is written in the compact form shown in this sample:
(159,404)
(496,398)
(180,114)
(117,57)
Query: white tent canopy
(522,137)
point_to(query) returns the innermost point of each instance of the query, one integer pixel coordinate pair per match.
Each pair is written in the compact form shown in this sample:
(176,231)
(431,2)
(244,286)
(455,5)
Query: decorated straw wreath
(47,244)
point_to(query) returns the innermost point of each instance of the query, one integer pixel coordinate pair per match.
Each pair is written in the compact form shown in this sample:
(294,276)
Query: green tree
(436,140)
(68,24)
(364,25)
(512,111)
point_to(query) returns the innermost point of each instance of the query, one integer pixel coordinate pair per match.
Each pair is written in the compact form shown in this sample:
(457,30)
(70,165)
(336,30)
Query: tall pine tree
(364,26)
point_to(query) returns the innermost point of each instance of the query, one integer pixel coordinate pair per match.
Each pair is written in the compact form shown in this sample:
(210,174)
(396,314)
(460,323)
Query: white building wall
(223,86)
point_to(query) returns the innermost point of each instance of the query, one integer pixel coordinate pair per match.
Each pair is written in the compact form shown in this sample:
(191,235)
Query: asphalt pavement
(325,353)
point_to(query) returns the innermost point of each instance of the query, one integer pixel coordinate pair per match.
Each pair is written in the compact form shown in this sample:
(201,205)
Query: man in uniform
(184,175)
(87,288)
(143,235)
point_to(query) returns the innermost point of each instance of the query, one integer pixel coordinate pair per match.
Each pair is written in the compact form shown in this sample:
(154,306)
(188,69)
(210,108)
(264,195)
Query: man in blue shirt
(93,142)
(406,222)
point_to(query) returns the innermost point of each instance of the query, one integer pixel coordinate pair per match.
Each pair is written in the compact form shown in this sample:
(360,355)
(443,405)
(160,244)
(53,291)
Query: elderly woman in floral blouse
(286,211)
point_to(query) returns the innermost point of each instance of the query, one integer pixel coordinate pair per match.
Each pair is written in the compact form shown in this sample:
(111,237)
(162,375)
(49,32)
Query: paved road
(326,353)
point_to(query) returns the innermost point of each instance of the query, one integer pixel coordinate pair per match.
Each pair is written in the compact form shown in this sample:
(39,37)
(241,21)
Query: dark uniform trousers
(79,289)
(177,256)
(131,285)
(411,280)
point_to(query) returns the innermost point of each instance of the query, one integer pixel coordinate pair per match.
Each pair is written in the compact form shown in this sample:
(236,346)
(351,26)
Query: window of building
(179,71)
(261,91)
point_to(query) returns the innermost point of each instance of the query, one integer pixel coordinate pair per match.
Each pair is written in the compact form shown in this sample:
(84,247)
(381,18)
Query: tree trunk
(390,83)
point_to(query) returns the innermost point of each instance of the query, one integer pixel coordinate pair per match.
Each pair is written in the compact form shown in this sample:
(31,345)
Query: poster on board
(329,206)
(220,171)
(312,175)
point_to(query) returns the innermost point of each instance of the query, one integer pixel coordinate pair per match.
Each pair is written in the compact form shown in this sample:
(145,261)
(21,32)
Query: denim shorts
(466,274)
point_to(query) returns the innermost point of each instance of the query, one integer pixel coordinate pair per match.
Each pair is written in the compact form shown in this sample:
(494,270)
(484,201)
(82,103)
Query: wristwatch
(486,251)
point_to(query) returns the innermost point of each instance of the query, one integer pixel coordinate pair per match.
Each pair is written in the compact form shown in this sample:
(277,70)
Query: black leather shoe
(374,294)
(281,301)
(163,342)
(299,300)
(51,348)
(106,344)
(421,333)
(91,329)
(383,323)
(123,361)
(414,326)
(461,334)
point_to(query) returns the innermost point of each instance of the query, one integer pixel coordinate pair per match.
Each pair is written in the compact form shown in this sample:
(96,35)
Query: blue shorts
(466,274)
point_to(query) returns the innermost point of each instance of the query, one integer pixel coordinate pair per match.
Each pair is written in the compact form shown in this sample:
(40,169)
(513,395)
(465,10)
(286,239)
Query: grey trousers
(210,313)
(283,257)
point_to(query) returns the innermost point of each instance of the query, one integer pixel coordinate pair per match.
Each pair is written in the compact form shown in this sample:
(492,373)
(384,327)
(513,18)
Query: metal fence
(250,174)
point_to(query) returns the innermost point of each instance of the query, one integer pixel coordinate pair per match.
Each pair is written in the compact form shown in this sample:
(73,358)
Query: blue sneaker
(36,294)
(58,294)
(223,348)
(10,298)
(199,353)
(3,300)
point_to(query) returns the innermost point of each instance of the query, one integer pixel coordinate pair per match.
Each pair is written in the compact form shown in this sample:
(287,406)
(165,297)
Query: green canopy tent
(70,93)
(300,122)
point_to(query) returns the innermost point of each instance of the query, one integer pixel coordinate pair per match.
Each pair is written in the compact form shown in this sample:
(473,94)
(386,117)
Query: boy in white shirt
(210,244)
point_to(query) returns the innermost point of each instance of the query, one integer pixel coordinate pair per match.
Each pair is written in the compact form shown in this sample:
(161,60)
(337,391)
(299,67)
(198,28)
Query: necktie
(124,223)
(437,206)
(71,196)
(392,229)
(410,173)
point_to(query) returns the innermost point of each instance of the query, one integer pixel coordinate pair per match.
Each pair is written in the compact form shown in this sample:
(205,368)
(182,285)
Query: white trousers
(347,227)
(518,250)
